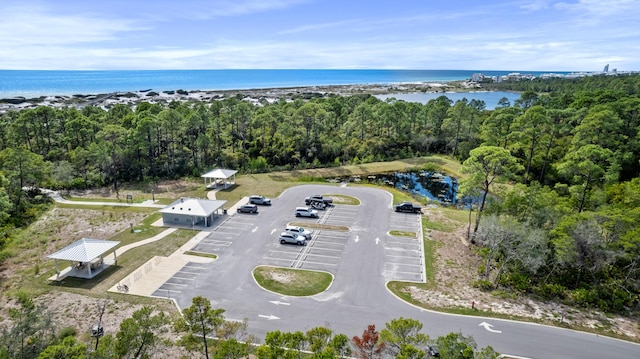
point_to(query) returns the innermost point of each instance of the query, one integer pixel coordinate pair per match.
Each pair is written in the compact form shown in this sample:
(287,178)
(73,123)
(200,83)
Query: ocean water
(30,84)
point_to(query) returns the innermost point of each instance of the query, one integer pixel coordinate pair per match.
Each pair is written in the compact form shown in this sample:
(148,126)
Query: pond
(490,98)
(433,185)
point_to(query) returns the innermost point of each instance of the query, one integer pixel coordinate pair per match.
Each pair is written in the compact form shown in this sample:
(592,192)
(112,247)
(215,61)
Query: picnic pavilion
(219,177)
(86,256)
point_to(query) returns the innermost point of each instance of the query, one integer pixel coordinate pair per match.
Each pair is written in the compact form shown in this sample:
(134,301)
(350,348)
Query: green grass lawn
(294,282)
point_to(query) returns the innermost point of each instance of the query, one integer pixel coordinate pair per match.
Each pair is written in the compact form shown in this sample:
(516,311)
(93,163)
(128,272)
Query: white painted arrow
(377,240)
(269,317)
(254,230)
(488,327)
(357,239)
(273,231)
(277,302)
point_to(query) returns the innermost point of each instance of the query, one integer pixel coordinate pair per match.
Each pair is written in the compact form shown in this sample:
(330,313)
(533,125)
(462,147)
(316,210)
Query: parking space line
(405,264)
(216,242)
(286,252)
(333,245)
(189,272)
(328,249)
(280,259)
(182,278)
(174,284)
(397,256)
(321,255)
(400,272)
(324,264)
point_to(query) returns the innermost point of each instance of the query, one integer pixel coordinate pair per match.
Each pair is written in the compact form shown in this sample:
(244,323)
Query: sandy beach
(256,96)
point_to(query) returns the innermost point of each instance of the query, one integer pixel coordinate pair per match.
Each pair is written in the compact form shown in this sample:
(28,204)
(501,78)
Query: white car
(289,237)
(299,231)
(306,212)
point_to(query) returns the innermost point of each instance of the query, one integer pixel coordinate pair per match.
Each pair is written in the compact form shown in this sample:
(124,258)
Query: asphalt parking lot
(404,256)
(252,240)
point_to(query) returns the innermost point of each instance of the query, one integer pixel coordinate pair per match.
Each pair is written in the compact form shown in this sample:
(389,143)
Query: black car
(433,351)
(408,207)
(248,208)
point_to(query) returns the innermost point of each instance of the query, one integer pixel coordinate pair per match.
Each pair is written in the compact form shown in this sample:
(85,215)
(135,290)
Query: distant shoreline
(257,95)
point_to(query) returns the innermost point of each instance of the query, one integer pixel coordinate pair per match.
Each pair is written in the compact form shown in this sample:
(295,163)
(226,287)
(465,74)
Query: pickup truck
(408,207)
(318,198)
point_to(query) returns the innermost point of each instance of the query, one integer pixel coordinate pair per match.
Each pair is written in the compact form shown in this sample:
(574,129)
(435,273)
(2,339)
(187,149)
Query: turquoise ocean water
(32,84)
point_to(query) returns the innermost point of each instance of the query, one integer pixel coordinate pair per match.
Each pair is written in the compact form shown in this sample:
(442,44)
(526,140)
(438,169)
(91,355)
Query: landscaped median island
(293,282)
(344,199)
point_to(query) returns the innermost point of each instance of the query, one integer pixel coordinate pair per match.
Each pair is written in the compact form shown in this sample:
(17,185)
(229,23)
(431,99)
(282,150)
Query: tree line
(571,156)
(203,330)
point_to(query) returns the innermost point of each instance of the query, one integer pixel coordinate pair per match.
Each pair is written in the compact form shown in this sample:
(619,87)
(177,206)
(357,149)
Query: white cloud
(35,25)
(536,5)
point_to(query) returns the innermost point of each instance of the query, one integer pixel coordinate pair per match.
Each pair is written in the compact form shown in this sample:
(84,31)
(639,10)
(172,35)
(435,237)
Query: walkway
(159,269)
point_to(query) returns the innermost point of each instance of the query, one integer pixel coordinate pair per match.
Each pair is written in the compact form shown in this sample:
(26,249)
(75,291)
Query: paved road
(362,260)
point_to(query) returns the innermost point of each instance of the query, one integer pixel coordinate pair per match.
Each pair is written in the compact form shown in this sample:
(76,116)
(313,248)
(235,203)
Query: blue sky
(527,35)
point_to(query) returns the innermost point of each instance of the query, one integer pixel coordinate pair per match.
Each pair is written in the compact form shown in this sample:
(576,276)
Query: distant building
(606,68)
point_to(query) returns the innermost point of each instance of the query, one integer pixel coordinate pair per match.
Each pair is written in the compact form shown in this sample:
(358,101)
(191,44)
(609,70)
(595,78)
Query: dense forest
(565,227)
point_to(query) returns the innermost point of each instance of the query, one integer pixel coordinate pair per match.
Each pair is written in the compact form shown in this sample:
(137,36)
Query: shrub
(483,284)
(549,291)
(67,332)
(584,297)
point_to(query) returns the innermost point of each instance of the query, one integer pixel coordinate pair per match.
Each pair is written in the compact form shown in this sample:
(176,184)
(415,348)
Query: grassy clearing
(403,234)
(107,208)
(437,226)
(293,282)
(91,199)
(140,231)
(458,215)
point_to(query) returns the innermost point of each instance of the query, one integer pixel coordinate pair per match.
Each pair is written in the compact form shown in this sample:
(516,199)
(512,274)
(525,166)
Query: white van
(306,212)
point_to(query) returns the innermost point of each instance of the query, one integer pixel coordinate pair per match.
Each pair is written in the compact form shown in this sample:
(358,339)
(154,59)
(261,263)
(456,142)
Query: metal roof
(193,207)
(84,250)
(219,173)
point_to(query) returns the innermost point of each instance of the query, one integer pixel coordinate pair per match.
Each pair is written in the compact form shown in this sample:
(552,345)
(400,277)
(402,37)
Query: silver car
(306,212)
(292,238)
(299,231)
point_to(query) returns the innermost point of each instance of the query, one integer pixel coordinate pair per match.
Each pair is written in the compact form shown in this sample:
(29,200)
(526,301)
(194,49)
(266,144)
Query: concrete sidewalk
(150,276)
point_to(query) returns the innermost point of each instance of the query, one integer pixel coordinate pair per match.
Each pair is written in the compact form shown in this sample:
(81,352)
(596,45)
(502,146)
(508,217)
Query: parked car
(318,198)
(292,238)
(299,231)
(318,205)
(306,212)
(248,208)
(408,207)
(255,199)
(433,351)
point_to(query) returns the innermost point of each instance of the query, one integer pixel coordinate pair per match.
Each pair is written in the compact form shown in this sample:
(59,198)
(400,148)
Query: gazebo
(86,256)
(219,177)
